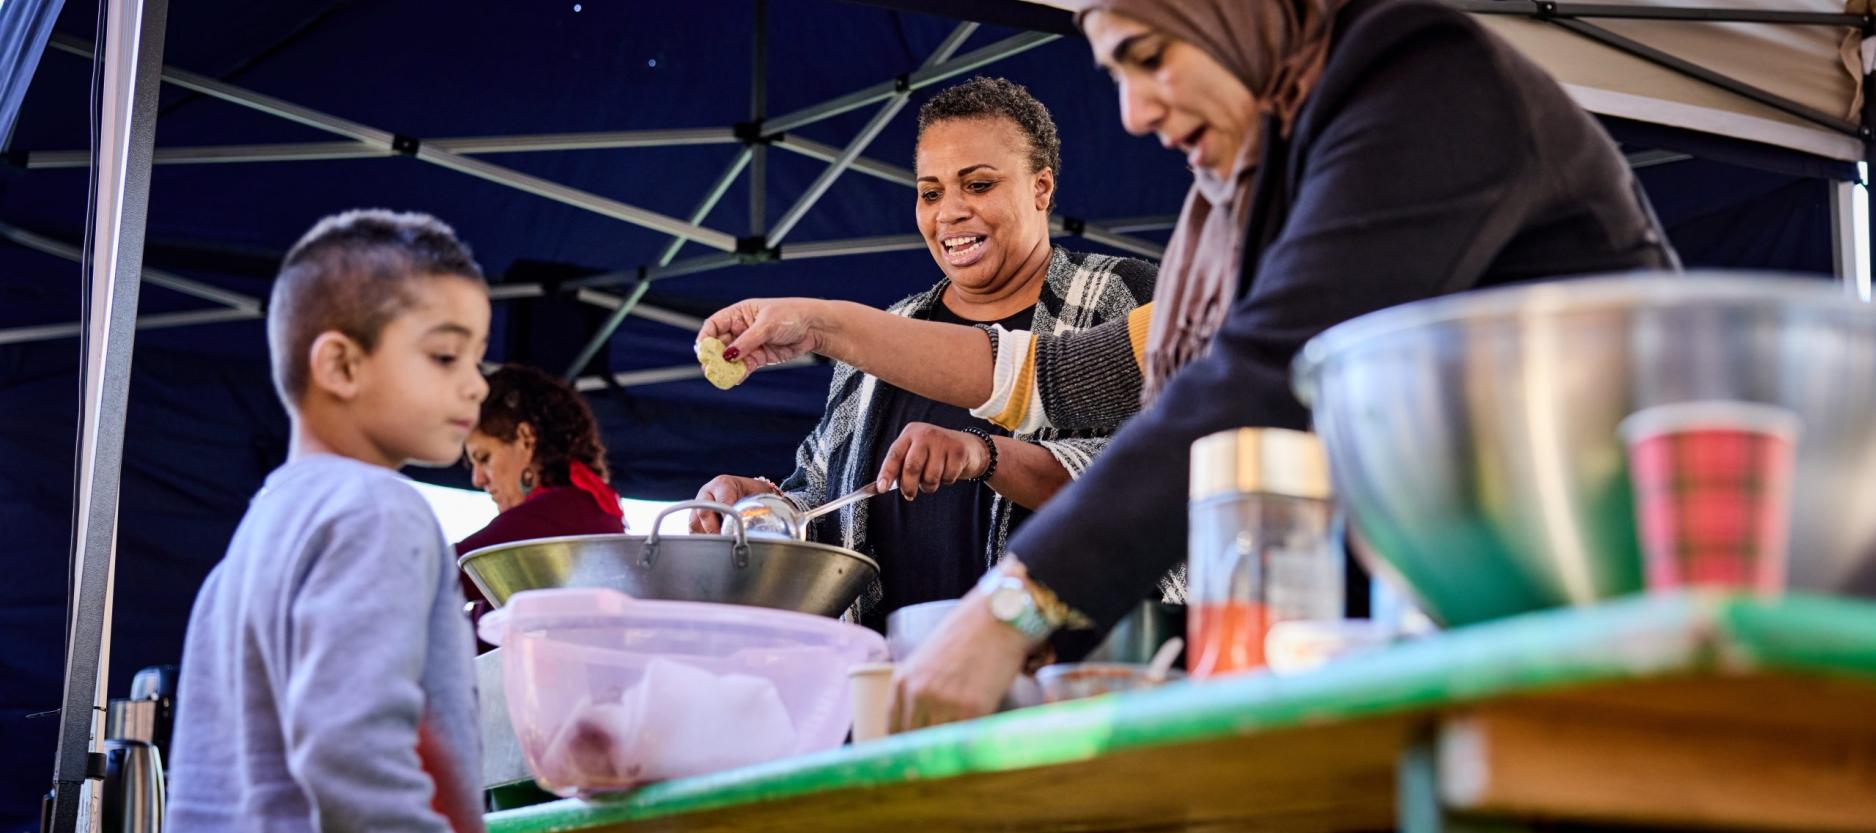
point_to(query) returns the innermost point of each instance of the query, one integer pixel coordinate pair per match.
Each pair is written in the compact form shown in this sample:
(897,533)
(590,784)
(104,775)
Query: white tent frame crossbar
(1571,17)
(454,153)
(382,140)
(836,166)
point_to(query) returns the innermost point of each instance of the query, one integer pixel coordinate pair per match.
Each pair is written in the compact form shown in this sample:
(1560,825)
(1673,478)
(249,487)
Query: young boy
(327,676)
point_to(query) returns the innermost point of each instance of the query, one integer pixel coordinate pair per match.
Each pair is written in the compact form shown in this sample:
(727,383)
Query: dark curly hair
(1000,98)
(564,427)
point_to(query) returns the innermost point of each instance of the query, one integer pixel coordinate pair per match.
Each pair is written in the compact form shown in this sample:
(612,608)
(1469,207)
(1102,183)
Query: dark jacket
(1431,158)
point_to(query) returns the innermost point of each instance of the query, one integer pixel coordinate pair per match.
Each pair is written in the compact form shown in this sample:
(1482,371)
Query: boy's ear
(333,362)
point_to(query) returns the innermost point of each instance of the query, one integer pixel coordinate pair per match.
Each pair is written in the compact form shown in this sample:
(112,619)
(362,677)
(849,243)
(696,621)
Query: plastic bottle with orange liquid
(1259,548)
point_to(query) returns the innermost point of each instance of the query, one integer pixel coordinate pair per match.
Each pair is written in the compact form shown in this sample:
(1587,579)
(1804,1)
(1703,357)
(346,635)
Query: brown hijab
(1277,49)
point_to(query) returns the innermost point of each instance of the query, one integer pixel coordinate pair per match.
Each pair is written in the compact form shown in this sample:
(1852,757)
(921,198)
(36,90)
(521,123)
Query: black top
(931,548)
(1430,158)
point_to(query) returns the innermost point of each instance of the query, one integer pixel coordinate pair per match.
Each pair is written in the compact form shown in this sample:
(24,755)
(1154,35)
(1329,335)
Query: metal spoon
(774,515)
(1162,660)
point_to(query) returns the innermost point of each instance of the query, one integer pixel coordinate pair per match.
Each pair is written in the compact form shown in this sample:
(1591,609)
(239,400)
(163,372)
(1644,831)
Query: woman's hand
(725,489)
(926,457)
(960,672)
(765,331)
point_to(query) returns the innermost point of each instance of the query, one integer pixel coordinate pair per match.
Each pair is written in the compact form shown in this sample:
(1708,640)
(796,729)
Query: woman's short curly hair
(564,427)
(1000,98)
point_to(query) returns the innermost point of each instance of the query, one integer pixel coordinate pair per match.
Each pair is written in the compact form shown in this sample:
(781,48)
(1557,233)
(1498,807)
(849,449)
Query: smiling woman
(987,159)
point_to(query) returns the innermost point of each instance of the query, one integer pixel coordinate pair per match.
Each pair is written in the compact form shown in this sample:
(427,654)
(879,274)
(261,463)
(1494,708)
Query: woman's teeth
(961,246)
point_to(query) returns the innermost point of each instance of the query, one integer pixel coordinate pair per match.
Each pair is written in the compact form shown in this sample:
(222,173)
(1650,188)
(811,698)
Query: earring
(527,481)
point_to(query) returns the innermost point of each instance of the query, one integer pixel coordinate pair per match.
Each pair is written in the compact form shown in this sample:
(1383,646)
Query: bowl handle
(738,534)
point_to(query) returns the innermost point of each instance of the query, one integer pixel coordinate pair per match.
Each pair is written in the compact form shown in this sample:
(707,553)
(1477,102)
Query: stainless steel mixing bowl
(1473,437)
(730,569)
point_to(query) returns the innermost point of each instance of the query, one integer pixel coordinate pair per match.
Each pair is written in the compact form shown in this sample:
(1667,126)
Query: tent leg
(1864,279)
(1843,231)
(758,110)
(133,63)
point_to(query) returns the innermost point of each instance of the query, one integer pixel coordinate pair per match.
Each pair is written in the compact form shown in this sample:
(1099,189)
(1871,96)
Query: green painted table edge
(1629,639)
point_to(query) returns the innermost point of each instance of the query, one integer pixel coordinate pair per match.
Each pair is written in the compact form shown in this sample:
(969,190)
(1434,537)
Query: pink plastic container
(607,692)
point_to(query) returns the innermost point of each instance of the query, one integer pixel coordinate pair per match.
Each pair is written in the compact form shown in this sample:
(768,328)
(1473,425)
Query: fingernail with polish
(731,354)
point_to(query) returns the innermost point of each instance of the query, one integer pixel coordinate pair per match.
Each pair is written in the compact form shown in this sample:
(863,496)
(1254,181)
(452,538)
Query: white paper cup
(1304,644)
(871,689)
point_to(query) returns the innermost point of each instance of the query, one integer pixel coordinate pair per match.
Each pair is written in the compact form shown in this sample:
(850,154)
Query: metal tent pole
(465,145)
(1843,232)
(1863,282)
(1639,12)
(865,137)
(758,110)
(704,207)
(193,288)
(133,61)
(919,80)
(433,154)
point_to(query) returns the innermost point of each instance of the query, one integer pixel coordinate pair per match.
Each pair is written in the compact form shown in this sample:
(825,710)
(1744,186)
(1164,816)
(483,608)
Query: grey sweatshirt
(327,676)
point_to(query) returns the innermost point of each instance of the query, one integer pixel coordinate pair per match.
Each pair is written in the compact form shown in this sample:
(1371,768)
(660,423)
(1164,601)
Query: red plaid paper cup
(1713,492)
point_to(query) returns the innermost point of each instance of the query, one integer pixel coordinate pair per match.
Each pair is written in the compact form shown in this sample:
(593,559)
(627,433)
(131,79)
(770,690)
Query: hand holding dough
(722,373)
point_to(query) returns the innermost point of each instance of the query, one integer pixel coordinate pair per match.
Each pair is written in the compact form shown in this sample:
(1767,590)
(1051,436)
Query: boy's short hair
(352,274)
(1000,98)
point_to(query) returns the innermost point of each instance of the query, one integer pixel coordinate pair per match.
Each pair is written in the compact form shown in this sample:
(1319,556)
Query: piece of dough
(722,373)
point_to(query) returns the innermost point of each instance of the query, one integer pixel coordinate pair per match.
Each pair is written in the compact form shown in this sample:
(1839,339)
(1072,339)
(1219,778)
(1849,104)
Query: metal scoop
(771,515)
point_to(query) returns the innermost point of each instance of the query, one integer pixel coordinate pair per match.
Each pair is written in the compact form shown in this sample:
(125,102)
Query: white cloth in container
(679,720)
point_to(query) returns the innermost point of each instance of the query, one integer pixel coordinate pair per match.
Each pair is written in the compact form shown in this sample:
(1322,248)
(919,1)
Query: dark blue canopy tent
(566,143)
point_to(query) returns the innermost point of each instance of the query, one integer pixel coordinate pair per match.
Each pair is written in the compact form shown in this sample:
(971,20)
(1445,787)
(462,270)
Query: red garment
(549,511)
(587,480)
(452,786)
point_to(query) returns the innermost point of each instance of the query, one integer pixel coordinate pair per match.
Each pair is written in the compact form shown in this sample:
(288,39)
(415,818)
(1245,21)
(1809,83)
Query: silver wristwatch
(1012,604)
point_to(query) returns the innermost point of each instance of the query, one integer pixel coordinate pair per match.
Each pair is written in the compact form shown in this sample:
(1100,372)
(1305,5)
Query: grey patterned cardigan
(1081,291)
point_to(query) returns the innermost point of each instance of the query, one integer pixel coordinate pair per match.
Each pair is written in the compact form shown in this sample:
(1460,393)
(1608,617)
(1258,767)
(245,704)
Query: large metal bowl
(729,569)
(1473,437)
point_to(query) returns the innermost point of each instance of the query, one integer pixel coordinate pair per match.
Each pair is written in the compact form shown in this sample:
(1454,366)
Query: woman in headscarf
(1348,155)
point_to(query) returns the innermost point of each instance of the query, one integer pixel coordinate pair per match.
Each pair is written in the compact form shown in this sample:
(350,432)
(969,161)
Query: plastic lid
(588,606)
(556,603)
(1260,460)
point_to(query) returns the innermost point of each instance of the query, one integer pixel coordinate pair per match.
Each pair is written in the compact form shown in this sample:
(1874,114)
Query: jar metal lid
(1260,460)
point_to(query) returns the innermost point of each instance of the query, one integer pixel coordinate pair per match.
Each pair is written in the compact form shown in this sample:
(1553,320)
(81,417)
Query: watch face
(1007,603)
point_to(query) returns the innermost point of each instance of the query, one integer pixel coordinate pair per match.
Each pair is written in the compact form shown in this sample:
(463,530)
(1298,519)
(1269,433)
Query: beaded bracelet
(990,446)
